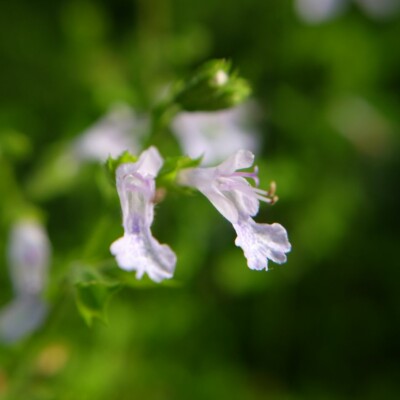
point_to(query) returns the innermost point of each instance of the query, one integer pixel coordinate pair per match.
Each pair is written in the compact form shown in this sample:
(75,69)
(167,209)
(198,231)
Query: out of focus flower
(238,201)
(379,8)
(116,132)
(28,259)
(138,249)
(318,11)
(21,317)
(363,124)
(216,135)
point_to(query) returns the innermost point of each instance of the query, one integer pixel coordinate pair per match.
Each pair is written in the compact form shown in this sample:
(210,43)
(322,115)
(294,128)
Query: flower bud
(212,87)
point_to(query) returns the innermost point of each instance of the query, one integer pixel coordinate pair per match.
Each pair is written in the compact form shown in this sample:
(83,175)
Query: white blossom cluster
(216,136)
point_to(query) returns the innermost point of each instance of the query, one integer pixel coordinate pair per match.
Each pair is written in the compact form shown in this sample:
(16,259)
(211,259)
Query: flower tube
(228,189)
(138,250)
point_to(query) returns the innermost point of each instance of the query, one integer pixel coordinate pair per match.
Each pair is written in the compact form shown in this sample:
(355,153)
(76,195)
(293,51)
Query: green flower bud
(212,87)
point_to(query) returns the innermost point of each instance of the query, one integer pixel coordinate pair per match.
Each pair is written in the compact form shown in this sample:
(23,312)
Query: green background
(323,326)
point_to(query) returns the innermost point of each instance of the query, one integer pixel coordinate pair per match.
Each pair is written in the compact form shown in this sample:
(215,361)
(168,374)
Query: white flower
(116,132)
(216,135)
(28,259)
(138,249)
(238,201)
(317,11)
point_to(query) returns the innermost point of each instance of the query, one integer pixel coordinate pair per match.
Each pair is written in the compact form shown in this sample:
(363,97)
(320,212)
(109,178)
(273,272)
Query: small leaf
(92,294)
(172,166)
(113,163)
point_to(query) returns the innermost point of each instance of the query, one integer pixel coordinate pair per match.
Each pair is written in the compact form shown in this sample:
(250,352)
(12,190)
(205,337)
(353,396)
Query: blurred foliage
(323,326)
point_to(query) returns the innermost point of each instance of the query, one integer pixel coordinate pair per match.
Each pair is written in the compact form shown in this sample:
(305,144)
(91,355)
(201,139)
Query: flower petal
(240,160)
(224,205)
(144,254)
(21,317)
(29,252)
(149,163)
(261,242)
(242,196)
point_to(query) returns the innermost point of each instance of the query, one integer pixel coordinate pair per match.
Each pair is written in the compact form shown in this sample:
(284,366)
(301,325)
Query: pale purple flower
(232,195)
(138,250)
(216,135)
(363,124)
(379,8)
(28,259)
(21,317)
(318,11)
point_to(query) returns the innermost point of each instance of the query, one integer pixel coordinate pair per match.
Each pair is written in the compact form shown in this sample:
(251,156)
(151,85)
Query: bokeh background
(323,326)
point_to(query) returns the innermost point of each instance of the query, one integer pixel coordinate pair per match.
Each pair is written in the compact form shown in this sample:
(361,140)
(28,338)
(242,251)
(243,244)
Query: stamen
(272,188)
(252,175)
(245,188)
(274,199)
(228,183)
(262,191)
(264,199)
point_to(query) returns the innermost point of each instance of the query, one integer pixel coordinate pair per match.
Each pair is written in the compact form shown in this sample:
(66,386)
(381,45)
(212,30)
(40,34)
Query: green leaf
(92,294)
(113,163)
(15,145)
(214,86)
(171,167)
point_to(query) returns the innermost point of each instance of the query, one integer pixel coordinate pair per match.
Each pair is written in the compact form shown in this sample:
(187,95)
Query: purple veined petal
(144,254)
(246,203)
(243,196)
(138,250)
(136,193)
(225,206)
(21,317)
(239,160)
(149,162)
(200,178)
(206,181)
(261,242)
